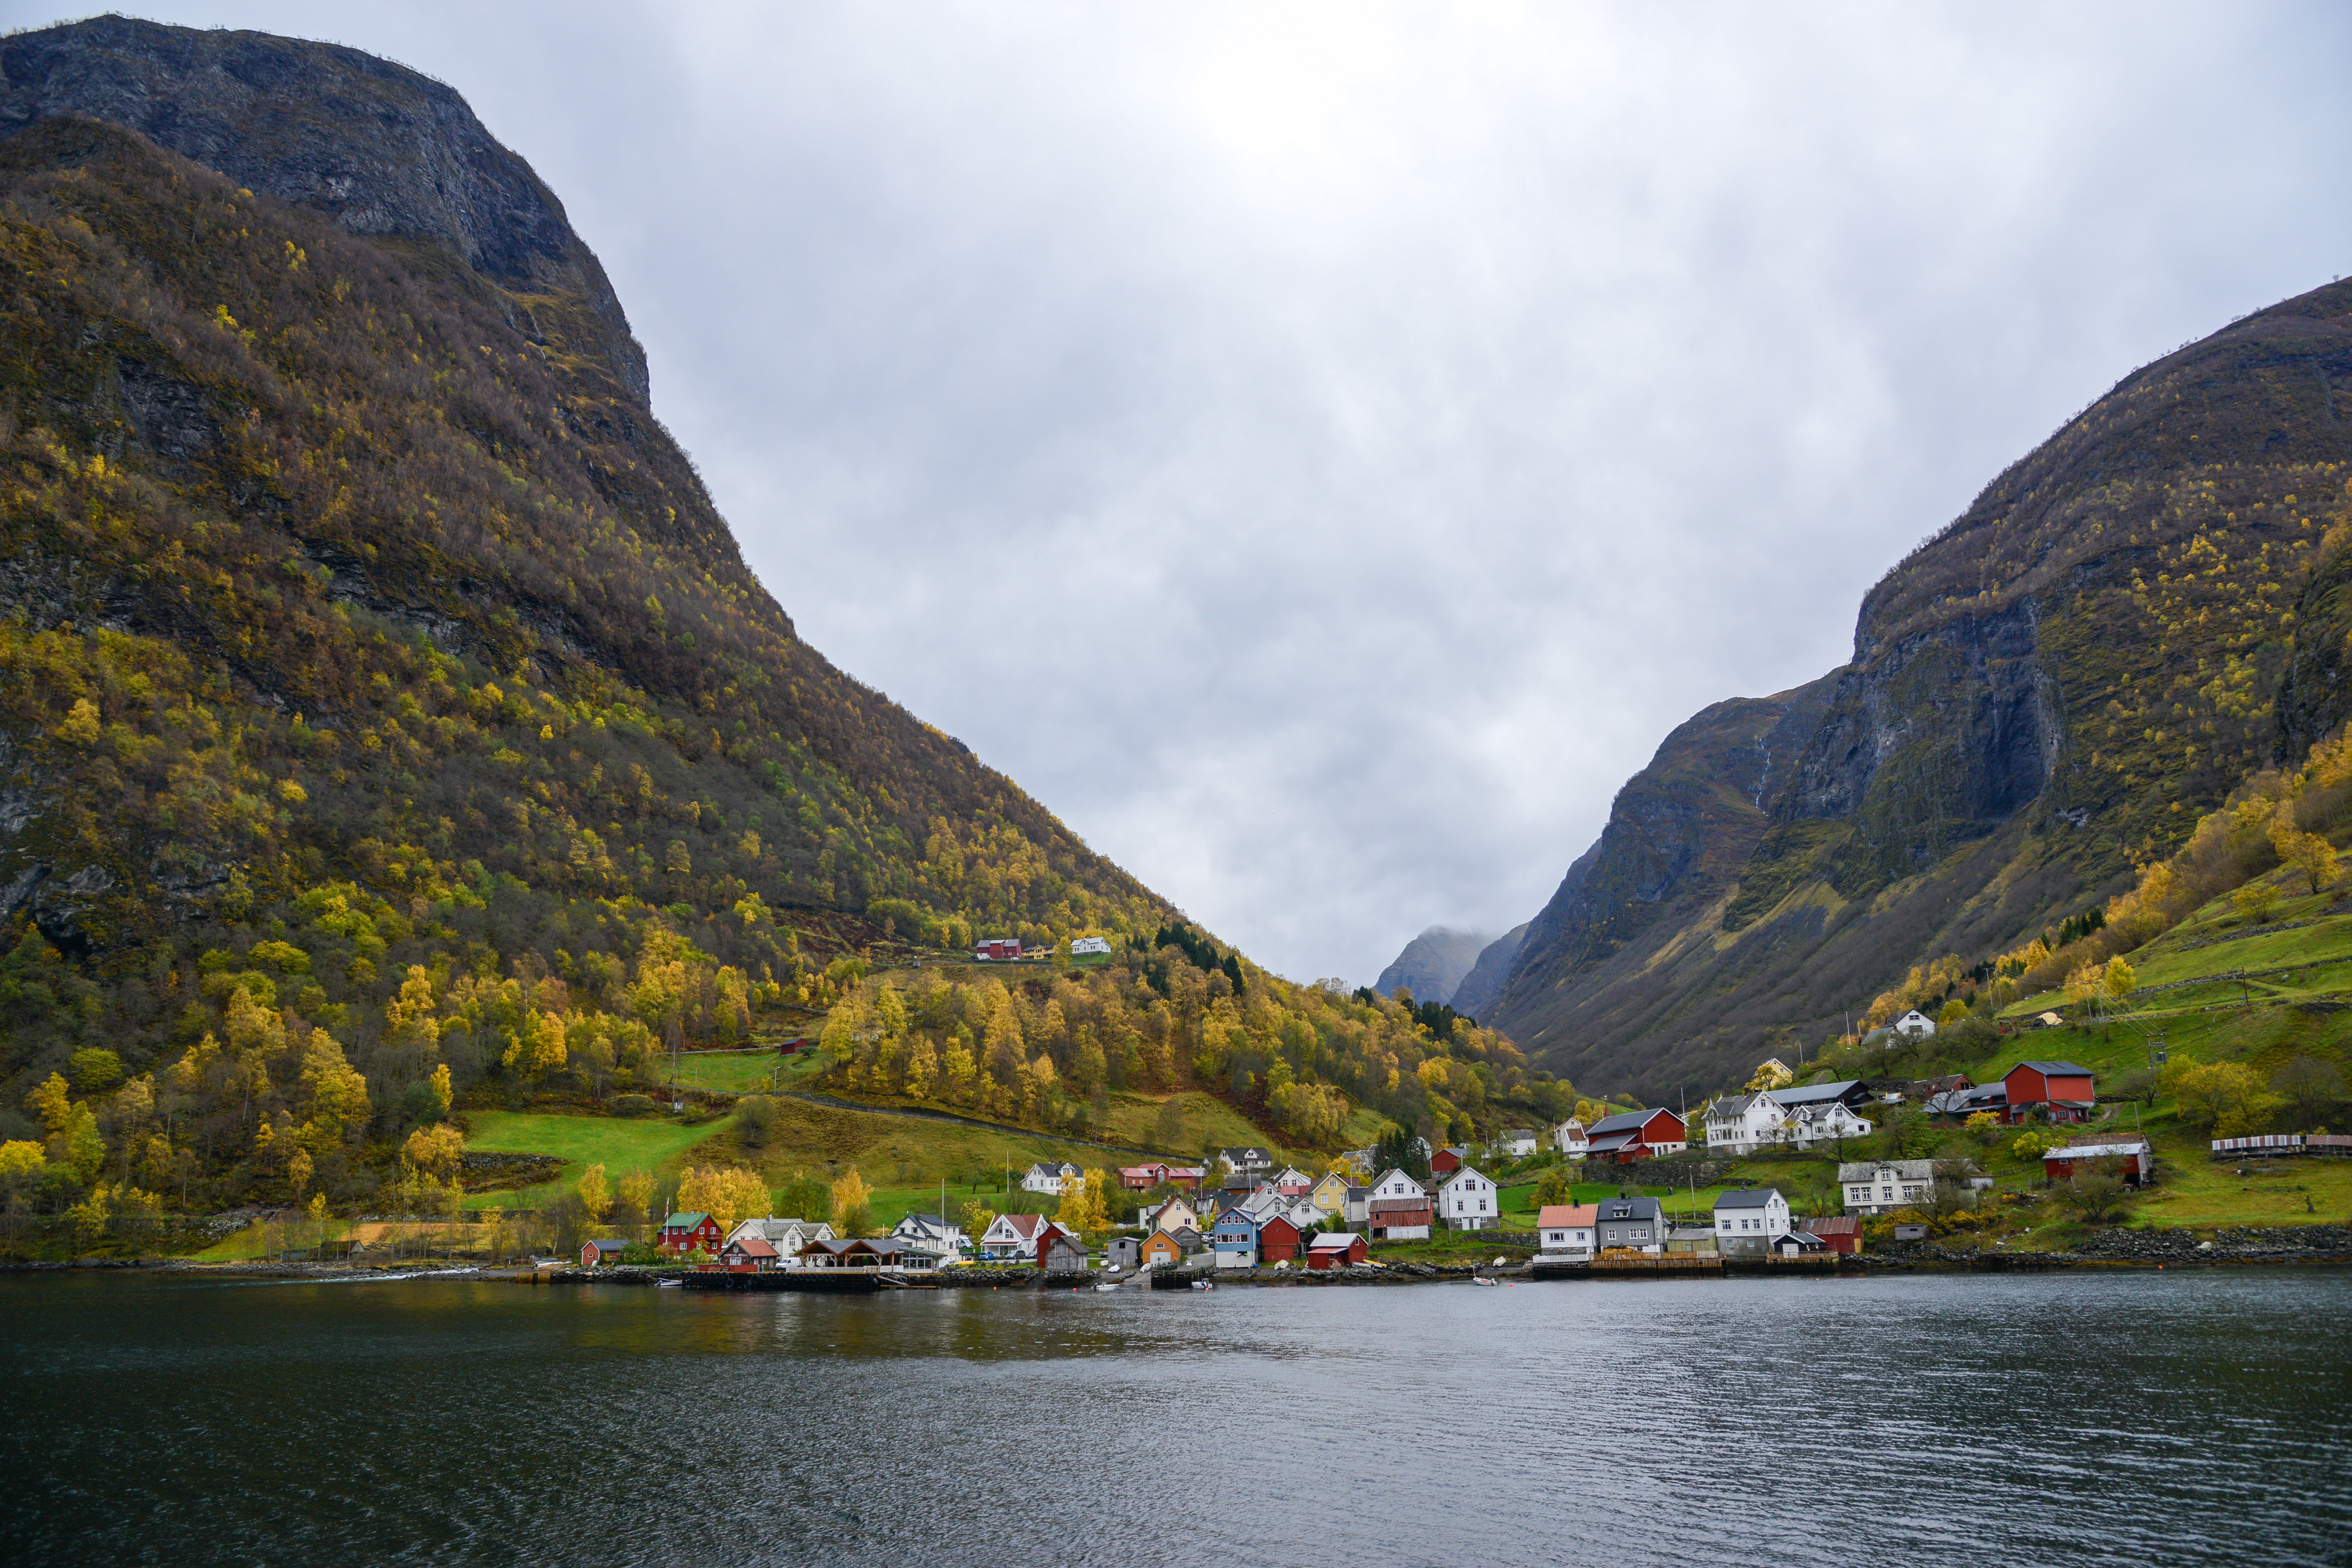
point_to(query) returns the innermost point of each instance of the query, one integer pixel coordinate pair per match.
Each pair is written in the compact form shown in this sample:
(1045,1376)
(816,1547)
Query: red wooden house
(1446,1161)
(2060,1090)
(1277,1241)
(1634,1135)
(689,1233)
(1839,1232)
(748,1255)
(997,947)
(1335,1249)
(2134,1160)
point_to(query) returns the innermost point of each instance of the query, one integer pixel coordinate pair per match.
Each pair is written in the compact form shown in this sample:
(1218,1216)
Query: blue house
(1235,1240)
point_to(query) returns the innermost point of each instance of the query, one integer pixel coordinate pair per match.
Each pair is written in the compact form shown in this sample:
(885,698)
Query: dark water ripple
(2144,1418)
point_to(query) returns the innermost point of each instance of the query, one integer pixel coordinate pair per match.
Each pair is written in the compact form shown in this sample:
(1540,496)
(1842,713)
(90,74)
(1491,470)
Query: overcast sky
(1320,451)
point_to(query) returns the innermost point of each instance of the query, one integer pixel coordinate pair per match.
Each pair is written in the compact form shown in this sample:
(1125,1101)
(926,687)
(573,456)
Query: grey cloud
(1322,451)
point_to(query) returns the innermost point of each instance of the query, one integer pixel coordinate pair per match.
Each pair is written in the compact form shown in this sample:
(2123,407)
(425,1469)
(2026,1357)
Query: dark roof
(1819,1092)
(1832,1224)
(1613,1210)
(2056,1070)
(1625,1122)
(1753,1198)
(615,1244)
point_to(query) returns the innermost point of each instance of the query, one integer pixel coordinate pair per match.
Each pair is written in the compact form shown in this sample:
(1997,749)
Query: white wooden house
(1014,1237)
(1082,945)
(1743,1124)
(932,1234)
(1051,1177)
(1565,1230)
(1568,1138)
(1519,1142)
(1467,1200)
(1825,1122)
(1915,1026)
(788,1236)
(1882,1187)
(1750,1221)
(1398,1208)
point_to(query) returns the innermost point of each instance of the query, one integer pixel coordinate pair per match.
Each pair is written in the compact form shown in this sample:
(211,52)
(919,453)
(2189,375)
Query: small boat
(1204,1284)
(1106,1285)
(669,1284)
(1482,1280)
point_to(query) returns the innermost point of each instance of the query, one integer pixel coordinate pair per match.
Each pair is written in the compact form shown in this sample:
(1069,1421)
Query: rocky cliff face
(375,146)
(1480,986)
(2120,628)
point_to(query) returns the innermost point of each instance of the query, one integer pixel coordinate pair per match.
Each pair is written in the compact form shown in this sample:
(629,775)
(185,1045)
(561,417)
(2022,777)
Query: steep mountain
(387,715)
(1486,976)
(2044,693)
(1432,964)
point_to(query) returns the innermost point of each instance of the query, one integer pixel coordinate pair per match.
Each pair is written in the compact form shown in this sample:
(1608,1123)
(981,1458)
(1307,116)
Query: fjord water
(2067,1418)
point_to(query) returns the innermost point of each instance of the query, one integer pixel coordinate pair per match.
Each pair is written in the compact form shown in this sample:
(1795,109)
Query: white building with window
(1824,1123)
(1882,1187)
(1467,1200)
(1051,1177)
(1750,1221)
(1743,1124)
(1568,1138)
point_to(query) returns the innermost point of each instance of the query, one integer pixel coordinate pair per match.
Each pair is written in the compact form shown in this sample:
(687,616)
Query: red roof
(752,1246)
(1833,1224)
(1564,1217)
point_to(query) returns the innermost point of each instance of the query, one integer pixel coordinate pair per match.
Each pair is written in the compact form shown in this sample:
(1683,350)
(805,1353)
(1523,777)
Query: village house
(1743,1124)
(1357,1209)
(996,949)
(1959,1104)
(1062,1253)
(1882,1187)
(1467,1200)
(1750,1221)
(1399,1209)
(1637,1223)
(1264,1202)
(1335,1249)
(1331,1194)
(2135,1160)
(1519,1142)
(1166,1249)
(1850,1092)
(1176,1214)
(1293,1183)
(748,1255)
(932,1234)
(1277,1240)
(2061,1090)
(1359,1161)
(689,1233)
(1915,1026)
(1570,1139)
(1827,1122)
(1141,1178)
(1565,1230)
(1122,1253)
(1634,1135)
(786,1234)
(596,1254)
(1251,1164)
(1235,1240)
(1051,1177)
(1839,1232)
(1014,1237)
(1080,946)
(1448,1160)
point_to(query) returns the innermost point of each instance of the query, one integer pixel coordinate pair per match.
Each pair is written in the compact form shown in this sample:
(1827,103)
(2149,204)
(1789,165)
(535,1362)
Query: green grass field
(655,1144)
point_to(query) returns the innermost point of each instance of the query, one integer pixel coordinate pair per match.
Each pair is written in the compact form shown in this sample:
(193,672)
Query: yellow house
(1163,1251)
(1331,1194)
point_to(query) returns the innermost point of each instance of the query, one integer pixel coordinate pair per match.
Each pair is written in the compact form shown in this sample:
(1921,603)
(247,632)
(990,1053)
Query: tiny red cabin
(2062,1088)
(997,947)
(1839,1232)
(1277,1241)
(1335,1249)
(596,1252)
(689,1233)
(748,1255)
(1445,1162)
(2134,1159)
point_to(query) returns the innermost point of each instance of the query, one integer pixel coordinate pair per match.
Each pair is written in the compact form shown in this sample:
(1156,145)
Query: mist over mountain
(1432,964)
(1486,976)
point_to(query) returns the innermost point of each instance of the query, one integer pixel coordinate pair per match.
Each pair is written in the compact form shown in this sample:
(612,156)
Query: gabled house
(1448,1160)
(601,1254)
(1467,1200)
(689,1233)
(1062,1253)
(1359,1161)
(1632,1135)
(787,1234)
(2061,1090)
(1277,1240)
(748,1255)
(1743,1124)
(1166,1249)
(1331,1194)
(1750,1221)
(1294,1183)
(1357,1209)
(1176,1214)
(1851,1093)
(1565,1230)
(933,1233)
(1636,1223)
(1399,1209)
(1882,1187)
(1839,1232)
(1050,1177)
(1263,1202)
(1251,1164)
(1825,1121)
(1122,1253)
(1959,1104)
(1569,1138)
(1014,1237)
(1335,1249)
(1141,1178)
(1915,1026)
(1519,1142)
(1235,1240)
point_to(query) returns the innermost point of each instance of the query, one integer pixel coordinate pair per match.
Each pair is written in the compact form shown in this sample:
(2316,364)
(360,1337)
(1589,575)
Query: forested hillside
(389,723)
(2044,696)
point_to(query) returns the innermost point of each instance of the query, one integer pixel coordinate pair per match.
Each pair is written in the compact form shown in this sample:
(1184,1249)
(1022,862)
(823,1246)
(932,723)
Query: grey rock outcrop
(1432,964)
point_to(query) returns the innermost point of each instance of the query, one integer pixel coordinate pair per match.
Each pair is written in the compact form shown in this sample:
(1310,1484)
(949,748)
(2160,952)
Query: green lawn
(658,1144)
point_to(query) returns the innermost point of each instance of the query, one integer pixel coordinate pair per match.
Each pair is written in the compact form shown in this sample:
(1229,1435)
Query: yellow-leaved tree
(853,1211)
(728,1193)
(1084,1210)
(595,1196)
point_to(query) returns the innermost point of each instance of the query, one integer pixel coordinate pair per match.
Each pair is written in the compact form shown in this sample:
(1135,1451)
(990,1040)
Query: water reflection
(2138,1419)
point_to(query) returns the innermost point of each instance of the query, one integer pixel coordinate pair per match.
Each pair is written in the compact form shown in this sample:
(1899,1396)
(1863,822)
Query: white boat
(1106,1285)
(1482,1280)
(1204,1284)
(669,1284)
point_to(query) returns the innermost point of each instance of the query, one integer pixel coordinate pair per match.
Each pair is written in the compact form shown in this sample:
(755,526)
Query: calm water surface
(2170,1418)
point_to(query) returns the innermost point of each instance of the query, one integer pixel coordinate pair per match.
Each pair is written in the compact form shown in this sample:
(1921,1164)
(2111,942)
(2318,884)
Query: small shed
(1061,1254)
(1335,1249)
(1123,1253)
(602,1252)
(1277,1240)
(2133,1157)
(1839,1232)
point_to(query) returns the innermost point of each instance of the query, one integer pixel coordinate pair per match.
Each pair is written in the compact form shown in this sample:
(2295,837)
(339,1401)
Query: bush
(633,1105)
(755,1119)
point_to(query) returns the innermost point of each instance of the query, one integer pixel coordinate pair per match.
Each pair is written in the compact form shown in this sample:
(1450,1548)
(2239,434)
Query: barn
(996,947)
(2133,1156)
(2061,1089)
(1335,1249)
(1277,1240)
